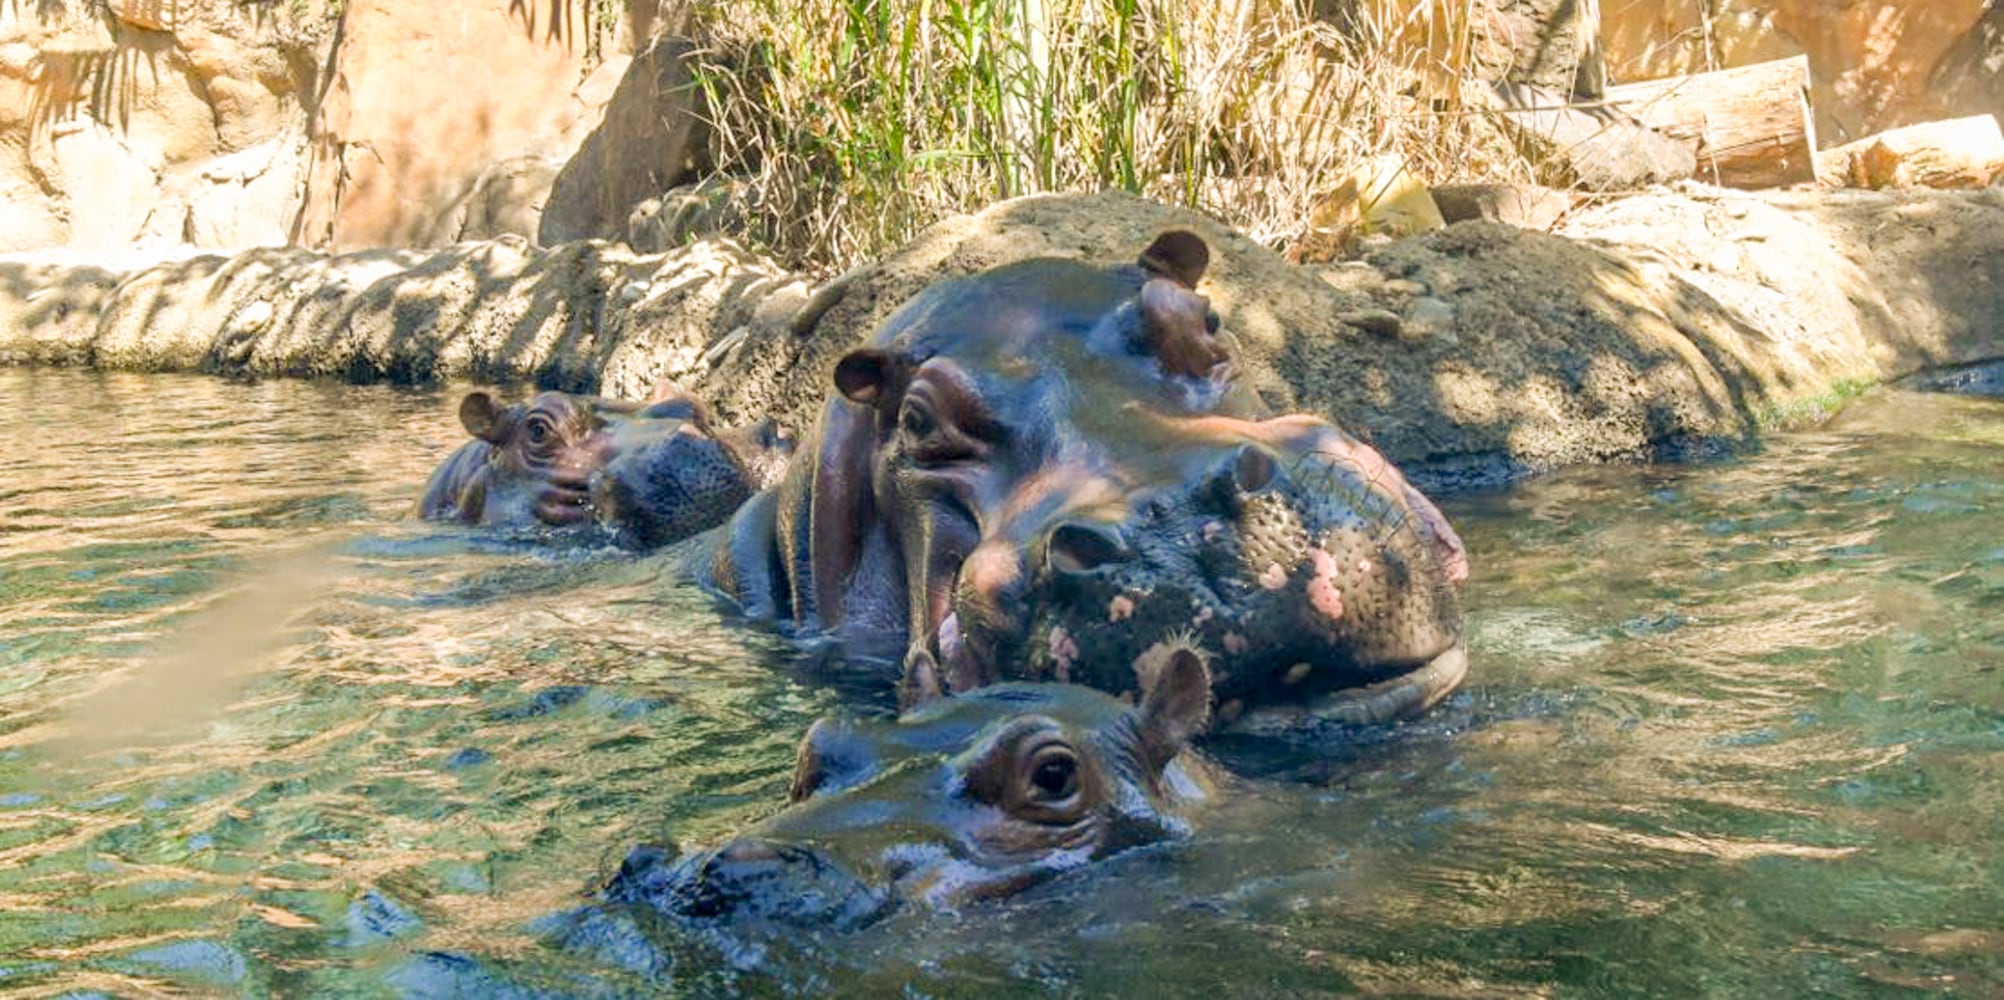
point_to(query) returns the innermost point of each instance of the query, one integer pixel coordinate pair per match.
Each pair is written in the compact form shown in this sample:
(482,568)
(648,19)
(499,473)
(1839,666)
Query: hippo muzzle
(749,880)
(1294,556)
(669,479)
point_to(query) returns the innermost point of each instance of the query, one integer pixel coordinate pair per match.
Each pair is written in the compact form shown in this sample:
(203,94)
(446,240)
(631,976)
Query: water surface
(1733,729)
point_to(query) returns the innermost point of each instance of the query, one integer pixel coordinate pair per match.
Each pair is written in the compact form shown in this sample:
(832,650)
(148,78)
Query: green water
(1733,730)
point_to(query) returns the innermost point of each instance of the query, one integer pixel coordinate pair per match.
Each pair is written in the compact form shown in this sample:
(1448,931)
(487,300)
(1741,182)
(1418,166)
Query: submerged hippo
(961,799)
(652,472)
(1049,469)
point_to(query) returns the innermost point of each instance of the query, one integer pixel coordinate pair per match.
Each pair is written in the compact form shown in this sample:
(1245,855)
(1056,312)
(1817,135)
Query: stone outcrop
(116,130)
(1650,326)
(394,123)
(575,317)
(424,99)
(652,137)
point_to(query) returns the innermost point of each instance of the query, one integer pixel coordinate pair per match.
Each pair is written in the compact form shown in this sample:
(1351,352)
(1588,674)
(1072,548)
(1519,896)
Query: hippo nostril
(1081,548)
(1253,469)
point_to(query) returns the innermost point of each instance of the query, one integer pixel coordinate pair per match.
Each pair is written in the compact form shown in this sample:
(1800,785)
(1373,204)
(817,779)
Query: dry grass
(863,121)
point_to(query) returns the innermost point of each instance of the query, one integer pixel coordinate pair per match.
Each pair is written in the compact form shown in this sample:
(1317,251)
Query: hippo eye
(540,429)
(1054,774)
(916,422)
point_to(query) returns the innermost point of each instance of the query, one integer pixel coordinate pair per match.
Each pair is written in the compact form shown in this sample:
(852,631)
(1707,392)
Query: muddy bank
(1652,325)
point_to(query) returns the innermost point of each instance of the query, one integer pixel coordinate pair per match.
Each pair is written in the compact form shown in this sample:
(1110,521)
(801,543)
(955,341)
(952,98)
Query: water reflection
(1735,728)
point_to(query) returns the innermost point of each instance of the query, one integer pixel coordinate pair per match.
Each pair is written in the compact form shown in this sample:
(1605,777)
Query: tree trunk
(1752,124)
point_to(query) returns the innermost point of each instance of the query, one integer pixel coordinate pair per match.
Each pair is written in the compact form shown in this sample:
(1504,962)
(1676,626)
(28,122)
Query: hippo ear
(1179,255)
(869,375)
(920,684)
(481,417)
(1177,707)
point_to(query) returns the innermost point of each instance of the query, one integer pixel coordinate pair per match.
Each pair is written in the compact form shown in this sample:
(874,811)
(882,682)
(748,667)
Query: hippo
(1051,452)
(651,473)
(962,798)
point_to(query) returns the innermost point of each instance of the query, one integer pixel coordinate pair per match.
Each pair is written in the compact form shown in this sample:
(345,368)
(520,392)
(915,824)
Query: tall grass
(862,121)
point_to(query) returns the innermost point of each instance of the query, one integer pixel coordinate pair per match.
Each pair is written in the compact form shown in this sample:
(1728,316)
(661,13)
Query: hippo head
(652,472)
(1071,482)
(960,799)
(1313,575)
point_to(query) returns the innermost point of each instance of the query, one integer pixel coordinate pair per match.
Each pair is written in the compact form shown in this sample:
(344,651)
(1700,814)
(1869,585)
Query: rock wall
(1650,326)
(219,124)
(1876,64)
(447,121)
(652,136)
(120,124)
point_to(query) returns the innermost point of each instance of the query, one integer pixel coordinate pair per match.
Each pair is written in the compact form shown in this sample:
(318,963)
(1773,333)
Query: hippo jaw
(964,799)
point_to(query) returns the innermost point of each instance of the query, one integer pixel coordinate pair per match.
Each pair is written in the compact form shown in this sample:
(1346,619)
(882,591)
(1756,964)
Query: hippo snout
(751,880)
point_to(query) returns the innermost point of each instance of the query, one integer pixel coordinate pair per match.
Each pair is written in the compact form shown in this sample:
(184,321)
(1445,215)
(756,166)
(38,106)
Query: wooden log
(1955,153)
(1752,124)
(1586,145)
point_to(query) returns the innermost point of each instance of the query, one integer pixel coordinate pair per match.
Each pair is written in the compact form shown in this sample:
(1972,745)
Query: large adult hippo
(649,472)
(960,799)
(1022,455)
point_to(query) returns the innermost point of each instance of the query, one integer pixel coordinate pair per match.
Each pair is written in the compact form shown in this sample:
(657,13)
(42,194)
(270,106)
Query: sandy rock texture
(117,129)
(574,317)
(652,137)
(333,124)
(447,121)
(1652,326)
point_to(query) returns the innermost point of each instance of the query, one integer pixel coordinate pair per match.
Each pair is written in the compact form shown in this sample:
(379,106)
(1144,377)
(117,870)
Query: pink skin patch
(1273,577)
(1323,595)
(1120,609)
(1235,643)
(1064,649)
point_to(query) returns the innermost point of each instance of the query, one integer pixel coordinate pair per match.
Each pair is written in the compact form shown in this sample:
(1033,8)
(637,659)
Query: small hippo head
(961,799)
(652,472)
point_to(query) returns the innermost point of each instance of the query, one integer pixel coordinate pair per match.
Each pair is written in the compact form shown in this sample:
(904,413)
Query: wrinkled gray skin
(964,798)
(648,473)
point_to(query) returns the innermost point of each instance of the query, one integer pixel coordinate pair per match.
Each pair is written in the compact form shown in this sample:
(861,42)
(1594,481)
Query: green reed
(860,122)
